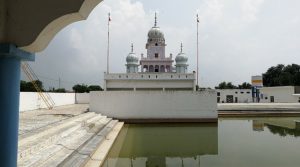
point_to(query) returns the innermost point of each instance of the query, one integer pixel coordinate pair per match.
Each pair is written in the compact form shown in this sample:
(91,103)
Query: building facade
(157,71)
(234,96)
(280,94)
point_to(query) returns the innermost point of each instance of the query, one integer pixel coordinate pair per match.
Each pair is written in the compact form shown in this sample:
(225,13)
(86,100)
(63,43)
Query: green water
(253,142)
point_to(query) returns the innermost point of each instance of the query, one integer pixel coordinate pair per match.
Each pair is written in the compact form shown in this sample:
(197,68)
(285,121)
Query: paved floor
(31,120)
(259,107)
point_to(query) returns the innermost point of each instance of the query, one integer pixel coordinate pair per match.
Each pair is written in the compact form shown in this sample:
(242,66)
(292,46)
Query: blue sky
(238,38)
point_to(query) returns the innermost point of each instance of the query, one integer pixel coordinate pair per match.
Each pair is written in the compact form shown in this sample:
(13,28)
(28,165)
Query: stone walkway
(259,109)
(65,136)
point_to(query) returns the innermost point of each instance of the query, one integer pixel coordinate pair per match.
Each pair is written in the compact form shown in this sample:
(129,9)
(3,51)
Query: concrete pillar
(10,62)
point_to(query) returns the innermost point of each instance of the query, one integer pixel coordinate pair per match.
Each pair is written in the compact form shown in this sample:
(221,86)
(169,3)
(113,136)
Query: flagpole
(197,50)
(107,65)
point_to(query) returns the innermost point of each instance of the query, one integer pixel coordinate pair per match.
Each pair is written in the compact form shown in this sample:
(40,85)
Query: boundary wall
(156,105)
(32,101)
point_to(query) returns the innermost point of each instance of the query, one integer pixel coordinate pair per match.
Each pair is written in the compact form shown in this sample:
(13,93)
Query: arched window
(151,68)
(162,68)
(168,68)
(156,68)
(145,68)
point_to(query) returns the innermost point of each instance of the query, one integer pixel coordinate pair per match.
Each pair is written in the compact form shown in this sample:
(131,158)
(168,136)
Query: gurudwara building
(155,71)
(155,88)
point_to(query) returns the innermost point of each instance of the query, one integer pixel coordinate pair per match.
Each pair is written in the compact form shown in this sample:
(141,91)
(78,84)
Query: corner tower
(132,62)
(156,61)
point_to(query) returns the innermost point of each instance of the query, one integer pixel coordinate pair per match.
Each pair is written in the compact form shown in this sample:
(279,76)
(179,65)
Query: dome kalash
(132,62)
(181,58)
(155,34)
(181,62)
(132,59)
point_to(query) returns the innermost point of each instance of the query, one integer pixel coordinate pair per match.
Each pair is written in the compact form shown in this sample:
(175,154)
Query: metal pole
(59,86)
(197,50)
(107,66)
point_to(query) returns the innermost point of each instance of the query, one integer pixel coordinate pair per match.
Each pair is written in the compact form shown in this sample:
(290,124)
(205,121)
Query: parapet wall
(156,105)
(32,101)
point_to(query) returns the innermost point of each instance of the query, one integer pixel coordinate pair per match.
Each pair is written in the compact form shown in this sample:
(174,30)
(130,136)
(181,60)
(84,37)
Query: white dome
(181,58)
(132,59)
(155,33)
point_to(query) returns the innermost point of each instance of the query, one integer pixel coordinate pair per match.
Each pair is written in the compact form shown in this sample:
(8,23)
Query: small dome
(132,59)
(181,58)
(155,33)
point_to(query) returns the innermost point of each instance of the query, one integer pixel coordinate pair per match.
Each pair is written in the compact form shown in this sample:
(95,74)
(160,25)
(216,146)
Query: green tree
(225,85)
(60,90)
(281,75)
(94,88)
(28,86)
(80,88)
(245,85)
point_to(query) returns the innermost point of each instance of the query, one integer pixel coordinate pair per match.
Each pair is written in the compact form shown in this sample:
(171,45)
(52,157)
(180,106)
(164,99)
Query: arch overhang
(32,24)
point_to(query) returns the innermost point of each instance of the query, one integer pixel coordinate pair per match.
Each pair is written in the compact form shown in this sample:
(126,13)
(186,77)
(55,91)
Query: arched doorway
(156,69)
(151,68)
(162,68)
(168,68)
(145,68)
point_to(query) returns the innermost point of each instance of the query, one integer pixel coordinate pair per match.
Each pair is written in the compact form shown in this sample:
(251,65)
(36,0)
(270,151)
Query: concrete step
(69,142)
(38,132)
(82,155)
(97,159)
(70,145)
(50,135)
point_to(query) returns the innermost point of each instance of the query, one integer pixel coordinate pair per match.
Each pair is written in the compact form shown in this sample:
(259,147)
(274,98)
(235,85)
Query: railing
(33,78)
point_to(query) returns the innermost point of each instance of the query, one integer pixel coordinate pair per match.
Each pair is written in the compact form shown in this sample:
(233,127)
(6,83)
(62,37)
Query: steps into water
(71,142)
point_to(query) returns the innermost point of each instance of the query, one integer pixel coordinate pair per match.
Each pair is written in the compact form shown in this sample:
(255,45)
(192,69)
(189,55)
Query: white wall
(82,98)
(155,104)
(117,81)
(282,94)
(243,95)
(29,101)
(32,101)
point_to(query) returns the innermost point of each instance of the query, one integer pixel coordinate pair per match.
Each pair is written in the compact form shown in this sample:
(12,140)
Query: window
(119,76)
(242,92)
(126,76)
(171,76)
(248,92)
(142,76)
(218,99)
(236,92)
(156,55)
(218,94)
(156,76)
(149,76)
(156,44)
(272,99)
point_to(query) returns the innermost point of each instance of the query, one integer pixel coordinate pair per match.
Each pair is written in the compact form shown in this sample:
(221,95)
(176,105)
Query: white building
(157,70)
(280,94)
(159,92)
(234,95)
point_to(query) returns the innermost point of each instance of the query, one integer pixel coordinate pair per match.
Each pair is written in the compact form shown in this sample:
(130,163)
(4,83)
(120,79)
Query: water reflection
(163,145)
(281,127)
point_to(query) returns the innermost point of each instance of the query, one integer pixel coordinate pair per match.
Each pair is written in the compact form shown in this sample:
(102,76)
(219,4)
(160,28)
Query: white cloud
(250,9)
(238,38)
